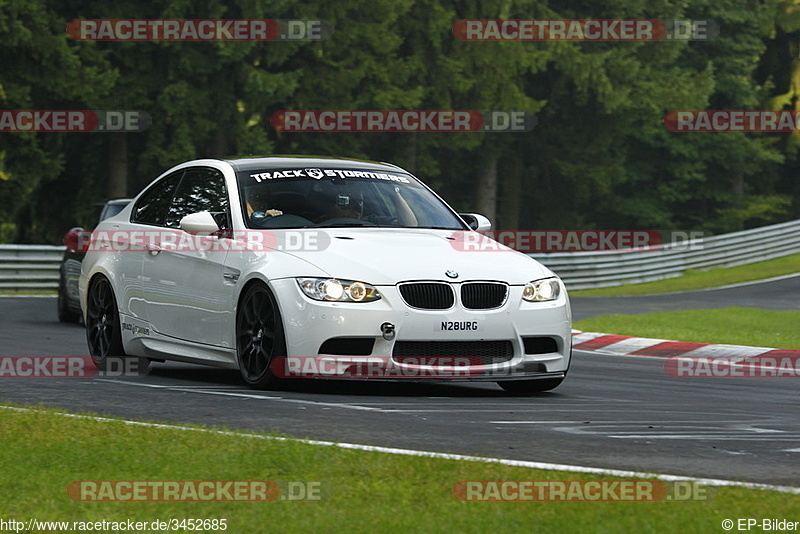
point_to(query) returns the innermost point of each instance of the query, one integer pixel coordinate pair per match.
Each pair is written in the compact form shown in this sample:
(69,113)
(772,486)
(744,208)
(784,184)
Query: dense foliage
(600,156)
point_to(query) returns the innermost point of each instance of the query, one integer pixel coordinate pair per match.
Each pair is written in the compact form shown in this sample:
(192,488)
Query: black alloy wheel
(260,342)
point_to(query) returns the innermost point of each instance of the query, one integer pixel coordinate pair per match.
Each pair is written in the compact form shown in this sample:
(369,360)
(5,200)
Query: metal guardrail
(35,267)
(29,267)
(588,270)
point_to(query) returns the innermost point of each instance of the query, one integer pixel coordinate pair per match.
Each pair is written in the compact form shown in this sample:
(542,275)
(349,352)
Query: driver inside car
(349,205)
(331,200)
(258,208)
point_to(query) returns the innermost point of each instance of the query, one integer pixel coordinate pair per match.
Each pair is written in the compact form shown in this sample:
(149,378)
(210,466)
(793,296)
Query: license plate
(457,326)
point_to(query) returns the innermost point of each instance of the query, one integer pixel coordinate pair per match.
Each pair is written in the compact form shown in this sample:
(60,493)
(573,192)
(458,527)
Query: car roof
(252,163)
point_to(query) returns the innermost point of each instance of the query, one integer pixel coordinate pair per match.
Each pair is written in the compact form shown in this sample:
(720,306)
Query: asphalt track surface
(782,293)
(611,412)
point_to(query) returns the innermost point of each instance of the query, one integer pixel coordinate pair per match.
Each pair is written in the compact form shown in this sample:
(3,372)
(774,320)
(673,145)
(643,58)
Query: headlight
(333,290)
(542,290)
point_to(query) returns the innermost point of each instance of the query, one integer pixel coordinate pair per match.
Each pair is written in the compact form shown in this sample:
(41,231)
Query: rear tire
(104,332)
(260,341)
(530,387)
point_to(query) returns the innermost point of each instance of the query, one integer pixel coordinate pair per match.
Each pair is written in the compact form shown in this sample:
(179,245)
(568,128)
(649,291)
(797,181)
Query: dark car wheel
(65,313)
(260,342)
(530,387)
(104,332)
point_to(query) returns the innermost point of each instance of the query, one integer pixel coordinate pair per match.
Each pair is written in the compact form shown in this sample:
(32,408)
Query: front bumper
(308,324)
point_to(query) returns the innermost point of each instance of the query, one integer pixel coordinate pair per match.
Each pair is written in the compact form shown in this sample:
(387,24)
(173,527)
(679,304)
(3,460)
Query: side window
(200,189)
(151,208)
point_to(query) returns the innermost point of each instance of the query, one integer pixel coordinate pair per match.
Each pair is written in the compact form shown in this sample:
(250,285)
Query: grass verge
(697,279)
(734,326)
(369,492)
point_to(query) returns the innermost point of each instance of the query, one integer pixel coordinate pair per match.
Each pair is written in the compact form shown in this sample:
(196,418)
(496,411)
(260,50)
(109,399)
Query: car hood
(386,256)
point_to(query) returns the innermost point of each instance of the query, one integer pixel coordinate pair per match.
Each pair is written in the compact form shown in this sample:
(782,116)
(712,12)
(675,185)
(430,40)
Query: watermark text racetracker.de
(578,491)
(574,240)
(199,30)
(75,121)
(771,364)
(770,121)
(378,367)
(198,490)
(179,241)
(584,30)
(68,367)
(412,367)
(382,121)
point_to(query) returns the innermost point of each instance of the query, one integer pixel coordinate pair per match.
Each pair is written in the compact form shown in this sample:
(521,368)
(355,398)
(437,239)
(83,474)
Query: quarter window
(151,208)
(200,189)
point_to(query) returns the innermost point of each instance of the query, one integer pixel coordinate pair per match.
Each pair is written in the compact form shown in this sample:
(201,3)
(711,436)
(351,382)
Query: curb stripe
(669,348)
(619,345)
(581,337)
(783,352)
(712,351)
(600,342)
(632,345)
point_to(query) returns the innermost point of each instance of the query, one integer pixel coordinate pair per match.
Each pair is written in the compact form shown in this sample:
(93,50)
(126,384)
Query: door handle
(153,249)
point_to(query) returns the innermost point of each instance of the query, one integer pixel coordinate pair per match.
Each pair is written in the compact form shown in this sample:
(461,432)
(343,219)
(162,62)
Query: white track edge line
(439,455)
(706,289)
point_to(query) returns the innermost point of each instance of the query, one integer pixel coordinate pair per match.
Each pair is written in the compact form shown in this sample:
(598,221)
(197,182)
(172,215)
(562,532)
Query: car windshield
(319,198)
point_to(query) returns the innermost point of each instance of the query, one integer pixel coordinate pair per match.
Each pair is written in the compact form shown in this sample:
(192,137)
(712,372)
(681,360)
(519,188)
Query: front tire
(260,341)
(530,387)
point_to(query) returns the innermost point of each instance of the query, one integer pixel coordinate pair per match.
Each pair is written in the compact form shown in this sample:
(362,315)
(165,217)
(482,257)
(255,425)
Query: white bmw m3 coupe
(301,267)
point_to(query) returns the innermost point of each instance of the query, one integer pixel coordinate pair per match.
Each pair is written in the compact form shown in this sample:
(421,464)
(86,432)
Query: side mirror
(200,222)
(77,239)
(477,222)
